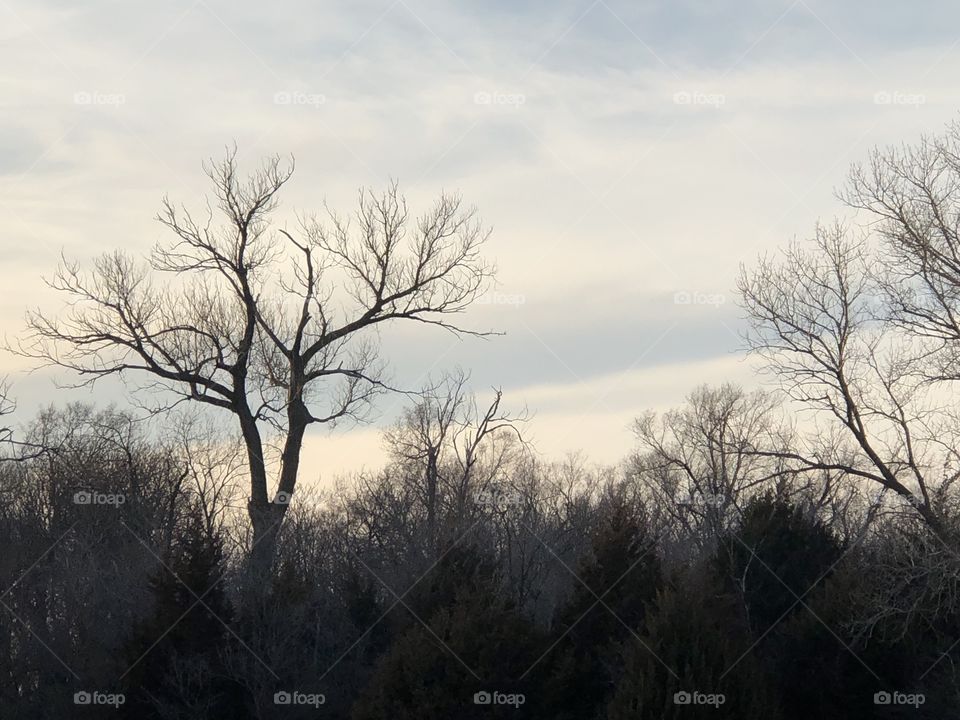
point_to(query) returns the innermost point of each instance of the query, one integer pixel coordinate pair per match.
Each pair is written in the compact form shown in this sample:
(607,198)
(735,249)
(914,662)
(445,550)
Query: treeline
(468,579)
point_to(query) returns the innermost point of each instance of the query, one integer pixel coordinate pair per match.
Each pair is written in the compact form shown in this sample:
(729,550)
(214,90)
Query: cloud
(624,153)
(593,416)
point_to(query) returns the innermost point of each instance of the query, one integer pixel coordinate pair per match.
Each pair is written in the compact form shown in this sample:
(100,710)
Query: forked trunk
(265,520)
(266,515)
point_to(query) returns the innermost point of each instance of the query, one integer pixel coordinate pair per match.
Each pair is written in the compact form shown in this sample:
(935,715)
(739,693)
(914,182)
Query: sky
(629,156)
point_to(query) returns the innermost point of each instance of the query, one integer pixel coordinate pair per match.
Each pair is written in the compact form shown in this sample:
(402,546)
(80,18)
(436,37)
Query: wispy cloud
(620,145)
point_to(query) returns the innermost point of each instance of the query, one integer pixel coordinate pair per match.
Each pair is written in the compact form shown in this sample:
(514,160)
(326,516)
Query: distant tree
(774,555)
(451,450)
(608,606)
(693,643)
(461,638)
(6,407)
(12,449)
(276,329)
(175,663)
(699,464)
(215,468)
(818,647)
(75,518)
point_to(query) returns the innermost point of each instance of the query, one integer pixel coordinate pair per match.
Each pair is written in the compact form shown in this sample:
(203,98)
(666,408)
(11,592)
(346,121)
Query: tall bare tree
(818,318)
(911,195)
(276,327)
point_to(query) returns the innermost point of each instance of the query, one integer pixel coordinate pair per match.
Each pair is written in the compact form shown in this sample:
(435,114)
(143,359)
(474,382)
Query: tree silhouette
(273,327)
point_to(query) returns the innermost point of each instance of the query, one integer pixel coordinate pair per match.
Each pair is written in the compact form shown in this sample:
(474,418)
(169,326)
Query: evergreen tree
(471,641)
(776,554)
(614,585)
(692,661)
(178,648)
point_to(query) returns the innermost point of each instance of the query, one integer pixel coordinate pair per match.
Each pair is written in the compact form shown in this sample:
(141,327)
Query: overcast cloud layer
(628,155)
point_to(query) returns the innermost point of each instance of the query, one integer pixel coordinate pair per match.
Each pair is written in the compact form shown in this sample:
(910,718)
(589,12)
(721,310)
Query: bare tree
(817,319)
(275,327)
(214,464)
(700,460)
(911,195)
(6,408)
(453,447)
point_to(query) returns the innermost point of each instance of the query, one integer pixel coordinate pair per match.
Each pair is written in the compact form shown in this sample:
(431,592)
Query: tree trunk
(255,462)
(290,459)
(265,516)
(936,524)
(431,478)
(265,519)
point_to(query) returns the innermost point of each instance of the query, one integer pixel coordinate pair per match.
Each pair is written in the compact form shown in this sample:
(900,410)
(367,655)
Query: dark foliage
(552,605)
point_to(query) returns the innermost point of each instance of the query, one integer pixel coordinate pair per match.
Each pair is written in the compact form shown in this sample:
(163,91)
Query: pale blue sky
(630,151)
